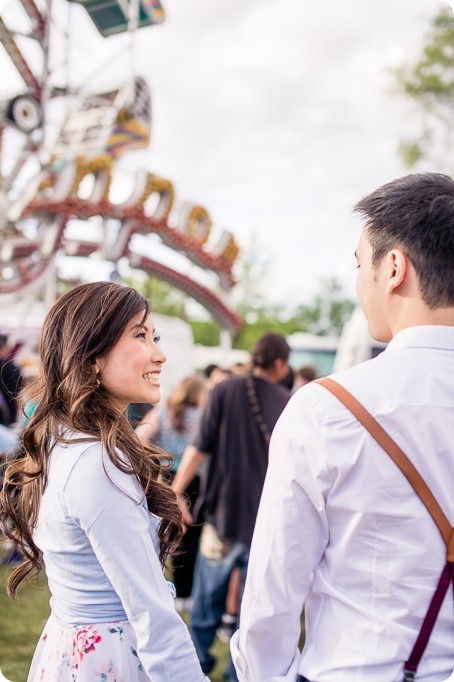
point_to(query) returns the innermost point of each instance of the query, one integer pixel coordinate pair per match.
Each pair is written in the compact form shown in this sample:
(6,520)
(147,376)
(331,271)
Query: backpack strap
(426,496)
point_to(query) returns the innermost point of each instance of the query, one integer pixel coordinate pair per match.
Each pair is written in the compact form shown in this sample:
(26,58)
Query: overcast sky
(276,116)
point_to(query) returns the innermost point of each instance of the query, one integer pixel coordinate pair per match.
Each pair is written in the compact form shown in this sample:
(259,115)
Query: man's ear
(396,269)
(279,366)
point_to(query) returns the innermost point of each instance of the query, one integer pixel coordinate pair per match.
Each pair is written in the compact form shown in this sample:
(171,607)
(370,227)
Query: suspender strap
(398,457)
(424,493)
(429,621)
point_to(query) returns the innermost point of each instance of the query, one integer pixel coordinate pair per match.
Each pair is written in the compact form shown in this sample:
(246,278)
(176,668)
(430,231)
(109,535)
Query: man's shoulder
(358,373)
(377,384)
(234,384)
(362,380)
(278,391)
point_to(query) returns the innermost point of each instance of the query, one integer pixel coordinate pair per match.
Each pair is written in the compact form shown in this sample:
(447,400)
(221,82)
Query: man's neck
(424,316)
(267,374)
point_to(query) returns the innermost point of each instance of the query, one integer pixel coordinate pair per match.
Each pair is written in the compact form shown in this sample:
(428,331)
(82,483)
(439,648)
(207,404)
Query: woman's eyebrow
(136,327)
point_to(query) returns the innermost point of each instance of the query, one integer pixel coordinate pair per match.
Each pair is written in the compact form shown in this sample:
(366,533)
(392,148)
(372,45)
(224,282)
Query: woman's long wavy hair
(83,325)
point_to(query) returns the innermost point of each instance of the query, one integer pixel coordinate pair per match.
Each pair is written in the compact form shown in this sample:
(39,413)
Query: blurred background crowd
(172,425)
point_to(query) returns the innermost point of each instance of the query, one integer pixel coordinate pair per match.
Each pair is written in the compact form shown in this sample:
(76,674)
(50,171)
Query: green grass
(21,624)
(221,652)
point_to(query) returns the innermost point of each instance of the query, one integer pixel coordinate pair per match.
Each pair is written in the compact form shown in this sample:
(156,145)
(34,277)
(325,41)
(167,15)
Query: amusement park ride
(41,193)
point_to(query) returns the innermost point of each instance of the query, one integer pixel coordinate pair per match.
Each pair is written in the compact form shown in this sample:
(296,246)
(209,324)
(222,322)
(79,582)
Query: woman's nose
(159,355)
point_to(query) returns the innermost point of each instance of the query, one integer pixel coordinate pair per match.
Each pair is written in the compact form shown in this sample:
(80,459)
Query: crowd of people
(267,494)
(10,387)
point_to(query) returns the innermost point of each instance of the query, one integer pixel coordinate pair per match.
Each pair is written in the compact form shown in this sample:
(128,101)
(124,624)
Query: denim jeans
(211,582)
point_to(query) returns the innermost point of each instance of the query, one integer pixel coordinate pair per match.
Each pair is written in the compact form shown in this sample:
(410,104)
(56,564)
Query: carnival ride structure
(46,190)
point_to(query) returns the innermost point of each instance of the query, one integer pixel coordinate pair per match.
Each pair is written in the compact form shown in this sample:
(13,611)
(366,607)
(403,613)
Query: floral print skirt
(98,652)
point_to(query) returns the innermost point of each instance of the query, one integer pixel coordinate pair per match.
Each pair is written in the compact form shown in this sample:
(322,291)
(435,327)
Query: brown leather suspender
(434,509)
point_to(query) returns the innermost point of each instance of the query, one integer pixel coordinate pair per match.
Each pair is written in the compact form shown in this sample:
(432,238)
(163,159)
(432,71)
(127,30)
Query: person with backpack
(232,446)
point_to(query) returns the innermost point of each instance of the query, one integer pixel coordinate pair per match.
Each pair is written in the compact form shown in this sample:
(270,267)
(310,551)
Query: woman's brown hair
(190,392)
(83,325)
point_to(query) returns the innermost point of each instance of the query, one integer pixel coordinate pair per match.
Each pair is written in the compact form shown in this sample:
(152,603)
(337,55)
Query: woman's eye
(142,335)
(157,339)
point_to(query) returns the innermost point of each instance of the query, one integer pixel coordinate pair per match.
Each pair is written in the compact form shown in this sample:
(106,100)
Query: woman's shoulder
(68,452)
(93,483)
(70,446)
(81,460)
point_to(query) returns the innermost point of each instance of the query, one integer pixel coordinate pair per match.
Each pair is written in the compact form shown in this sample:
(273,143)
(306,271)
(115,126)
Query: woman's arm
(120,530)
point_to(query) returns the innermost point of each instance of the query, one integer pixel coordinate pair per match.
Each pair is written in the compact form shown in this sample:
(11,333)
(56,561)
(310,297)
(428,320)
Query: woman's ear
(96,371)
(97,367)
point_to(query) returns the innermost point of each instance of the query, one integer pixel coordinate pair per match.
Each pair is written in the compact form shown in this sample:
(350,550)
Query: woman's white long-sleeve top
(100,548)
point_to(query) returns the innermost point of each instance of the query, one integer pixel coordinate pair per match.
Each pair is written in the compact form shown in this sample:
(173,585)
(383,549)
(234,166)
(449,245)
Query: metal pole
(45,92)
(133,24)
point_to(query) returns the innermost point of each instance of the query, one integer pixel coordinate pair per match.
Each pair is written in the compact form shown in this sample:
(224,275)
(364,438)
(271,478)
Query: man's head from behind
(409,232)
(270,356)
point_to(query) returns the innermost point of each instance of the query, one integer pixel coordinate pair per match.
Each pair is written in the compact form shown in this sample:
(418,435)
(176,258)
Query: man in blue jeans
(211,583)
(233,442)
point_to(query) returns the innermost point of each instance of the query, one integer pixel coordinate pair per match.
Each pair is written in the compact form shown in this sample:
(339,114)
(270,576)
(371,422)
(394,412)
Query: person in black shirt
(10,384)
(233,442)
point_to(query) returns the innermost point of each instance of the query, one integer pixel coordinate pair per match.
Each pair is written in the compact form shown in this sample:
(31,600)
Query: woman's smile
(119,372)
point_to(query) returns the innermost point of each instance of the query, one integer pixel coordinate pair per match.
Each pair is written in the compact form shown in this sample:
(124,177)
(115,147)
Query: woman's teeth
(151,376)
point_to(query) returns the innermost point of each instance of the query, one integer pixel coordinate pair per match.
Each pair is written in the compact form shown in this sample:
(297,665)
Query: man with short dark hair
(233,443)
(342,528)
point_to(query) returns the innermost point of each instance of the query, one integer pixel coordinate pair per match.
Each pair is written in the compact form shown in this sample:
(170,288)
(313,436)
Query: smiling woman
(84,497)
(130,372)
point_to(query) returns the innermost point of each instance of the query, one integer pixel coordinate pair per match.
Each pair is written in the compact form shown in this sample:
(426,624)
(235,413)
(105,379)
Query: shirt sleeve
(208,430)
(119,528)
(290,536)
(194,415)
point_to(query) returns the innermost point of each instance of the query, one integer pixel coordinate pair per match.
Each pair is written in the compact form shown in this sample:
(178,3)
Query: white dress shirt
(100,549)
(341,531)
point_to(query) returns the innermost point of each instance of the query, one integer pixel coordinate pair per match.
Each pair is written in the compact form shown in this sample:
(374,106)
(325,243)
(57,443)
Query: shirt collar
(427,336)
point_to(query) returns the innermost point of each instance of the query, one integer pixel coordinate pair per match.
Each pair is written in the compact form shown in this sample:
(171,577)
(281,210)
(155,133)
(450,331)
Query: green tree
(205,332)
(329,310)
(430,83)
(326,314)
(166,299)
(263,320)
